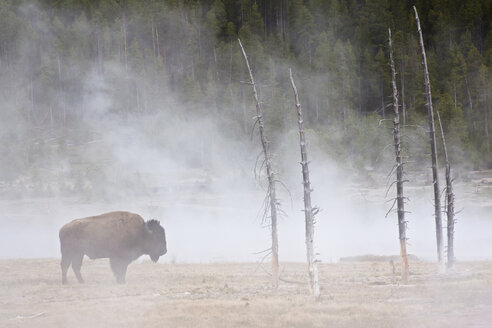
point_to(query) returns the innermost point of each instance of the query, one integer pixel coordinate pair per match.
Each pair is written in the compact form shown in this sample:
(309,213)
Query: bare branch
(383,120)
(389,187)
(384,149)
(288,191)
(254,126)
(269,249)
(391,208)
(262,260)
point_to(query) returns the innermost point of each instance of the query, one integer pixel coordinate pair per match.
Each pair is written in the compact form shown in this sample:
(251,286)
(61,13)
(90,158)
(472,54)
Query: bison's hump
(108,224)
(105,235)
(115,215)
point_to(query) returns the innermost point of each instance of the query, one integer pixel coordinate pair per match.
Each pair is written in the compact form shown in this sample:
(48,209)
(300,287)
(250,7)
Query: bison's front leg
(119,267)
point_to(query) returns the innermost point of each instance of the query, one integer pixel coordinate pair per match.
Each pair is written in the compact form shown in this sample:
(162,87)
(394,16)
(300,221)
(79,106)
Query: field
(354,294)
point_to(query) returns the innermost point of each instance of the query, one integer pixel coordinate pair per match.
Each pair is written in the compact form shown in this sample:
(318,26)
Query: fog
(185,165)
(215,215)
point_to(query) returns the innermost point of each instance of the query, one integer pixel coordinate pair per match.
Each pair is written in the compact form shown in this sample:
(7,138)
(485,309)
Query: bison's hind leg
(76,265)
(65,264)
(119,267)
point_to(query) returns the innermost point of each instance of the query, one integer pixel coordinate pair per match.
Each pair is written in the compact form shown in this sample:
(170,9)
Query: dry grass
(358,294)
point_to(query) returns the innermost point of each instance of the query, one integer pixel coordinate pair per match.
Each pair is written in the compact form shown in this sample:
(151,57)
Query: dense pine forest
(71,70)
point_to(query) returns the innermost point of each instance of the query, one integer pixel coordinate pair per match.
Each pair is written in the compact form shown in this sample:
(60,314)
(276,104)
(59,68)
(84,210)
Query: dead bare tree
(309,211)
(125,45)
(432,139)
(400,200)
(486,87)
(449,200)
(270,175)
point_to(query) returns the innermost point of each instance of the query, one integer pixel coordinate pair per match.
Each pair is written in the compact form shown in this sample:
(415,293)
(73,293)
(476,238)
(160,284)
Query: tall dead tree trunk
(402,82)
(30,114)
(125,44)
(100,61)
(449,200)
(62,94)
(432,139)
(383,108)
(400,200)
(486,118)
(153,36)
(270,174)
(157,42)
(487,138)
(309,211)
(470,102)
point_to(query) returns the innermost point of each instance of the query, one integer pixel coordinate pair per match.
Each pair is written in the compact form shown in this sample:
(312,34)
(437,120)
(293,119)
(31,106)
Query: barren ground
(358,294)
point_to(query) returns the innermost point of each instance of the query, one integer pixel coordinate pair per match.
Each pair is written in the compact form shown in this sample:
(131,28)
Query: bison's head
(156,240)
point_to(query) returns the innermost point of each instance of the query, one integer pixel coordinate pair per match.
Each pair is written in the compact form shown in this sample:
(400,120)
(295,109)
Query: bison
(120,236)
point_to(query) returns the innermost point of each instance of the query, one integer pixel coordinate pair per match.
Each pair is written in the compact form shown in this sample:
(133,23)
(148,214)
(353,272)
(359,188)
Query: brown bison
(120,236)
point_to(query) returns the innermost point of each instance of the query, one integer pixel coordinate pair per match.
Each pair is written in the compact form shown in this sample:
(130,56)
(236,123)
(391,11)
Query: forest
(159,61)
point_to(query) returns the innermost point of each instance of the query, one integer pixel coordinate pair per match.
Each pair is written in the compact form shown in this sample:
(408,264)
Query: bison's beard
(154,258)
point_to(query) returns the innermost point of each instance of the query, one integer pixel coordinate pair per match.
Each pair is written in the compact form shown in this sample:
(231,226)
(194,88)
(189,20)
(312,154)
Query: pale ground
(358,294)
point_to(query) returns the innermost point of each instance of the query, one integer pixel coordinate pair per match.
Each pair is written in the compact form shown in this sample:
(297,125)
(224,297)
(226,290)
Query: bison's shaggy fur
(120,236)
